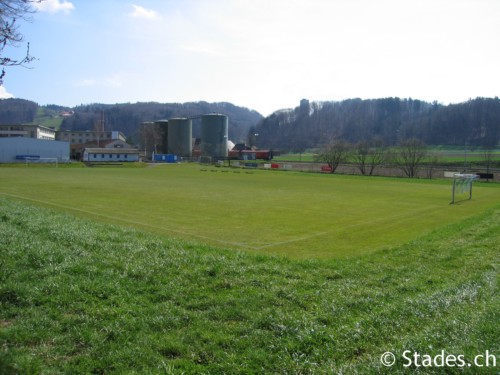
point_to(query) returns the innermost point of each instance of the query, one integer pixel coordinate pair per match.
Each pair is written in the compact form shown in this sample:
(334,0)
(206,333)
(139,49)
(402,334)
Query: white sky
(261,54)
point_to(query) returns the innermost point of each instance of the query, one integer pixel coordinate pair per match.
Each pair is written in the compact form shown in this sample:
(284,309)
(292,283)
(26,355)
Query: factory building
(172,140)
(21,149)
(80,140)
(87,136)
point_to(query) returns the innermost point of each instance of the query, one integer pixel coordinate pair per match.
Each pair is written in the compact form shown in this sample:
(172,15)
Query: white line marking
(92,213)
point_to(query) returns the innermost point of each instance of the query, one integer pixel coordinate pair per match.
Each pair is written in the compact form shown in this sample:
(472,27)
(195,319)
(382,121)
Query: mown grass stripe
(119,219)
(290,214)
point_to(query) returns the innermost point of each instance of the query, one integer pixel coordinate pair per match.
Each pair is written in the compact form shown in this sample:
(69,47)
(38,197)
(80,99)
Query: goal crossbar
(41,160)
(461,184)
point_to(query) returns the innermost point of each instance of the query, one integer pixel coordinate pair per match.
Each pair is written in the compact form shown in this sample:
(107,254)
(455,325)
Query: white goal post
(41,161)
(462,183)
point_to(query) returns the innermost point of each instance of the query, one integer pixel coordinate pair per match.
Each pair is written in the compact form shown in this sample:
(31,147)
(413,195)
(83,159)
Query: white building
(108,155)
(89,136)
(27,131)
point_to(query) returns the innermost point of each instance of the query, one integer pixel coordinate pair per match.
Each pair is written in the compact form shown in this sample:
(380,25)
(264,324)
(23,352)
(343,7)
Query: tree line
(409,155)
(391,120)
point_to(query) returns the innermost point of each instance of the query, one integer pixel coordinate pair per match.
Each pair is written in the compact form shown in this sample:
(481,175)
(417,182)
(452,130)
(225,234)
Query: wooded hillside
(309,125)
(15,111)
(127,117)
(476,122)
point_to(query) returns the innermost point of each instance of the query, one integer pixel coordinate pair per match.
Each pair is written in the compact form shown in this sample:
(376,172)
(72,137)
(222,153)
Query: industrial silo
(180,135)
(214,136)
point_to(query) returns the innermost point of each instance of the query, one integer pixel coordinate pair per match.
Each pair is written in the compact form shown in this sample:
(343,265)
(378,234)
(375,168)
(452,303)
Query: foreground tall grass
(83,297)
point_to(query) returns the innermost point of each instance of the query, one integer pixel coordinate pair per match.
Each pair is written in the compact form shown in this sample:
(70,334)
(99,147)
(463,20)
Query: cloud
(87,82)
(54,6)
(4,94)
(140,12)
(115,80)
(205,48)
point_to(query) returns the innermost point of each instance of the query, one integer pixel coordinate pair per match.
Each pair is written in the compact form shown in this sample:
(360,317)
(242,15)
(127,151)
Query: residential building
(27,131)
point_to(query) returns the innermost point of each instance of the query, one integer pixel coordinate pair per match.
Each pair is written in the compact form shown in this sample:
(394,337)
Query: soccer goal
(53,161)
(462,184)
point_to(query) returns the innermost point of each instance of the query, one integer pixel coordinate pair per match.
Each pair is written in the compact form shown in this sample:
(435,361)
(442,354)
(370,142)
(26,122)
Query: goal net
(53,161)
(462,187)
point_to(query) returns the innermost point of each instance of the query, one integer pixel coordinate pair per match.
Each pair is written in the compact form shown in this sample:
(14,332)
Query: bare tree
(336,152)
(11,11)
(360,155)
(377,154)
(369,155)
(409,156)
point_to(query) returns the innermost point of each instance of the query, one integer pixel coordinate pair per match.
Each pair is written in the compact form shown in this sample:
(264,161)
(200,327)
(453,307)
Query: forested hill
(311,124)
(127,117)
(475,122)
(17,111)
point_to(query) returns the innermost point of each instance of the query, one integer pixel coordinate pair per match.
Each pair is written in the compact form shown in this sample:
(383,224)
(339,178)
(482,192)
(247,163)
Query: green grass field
(175,270)
(82,297)
(266,212)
